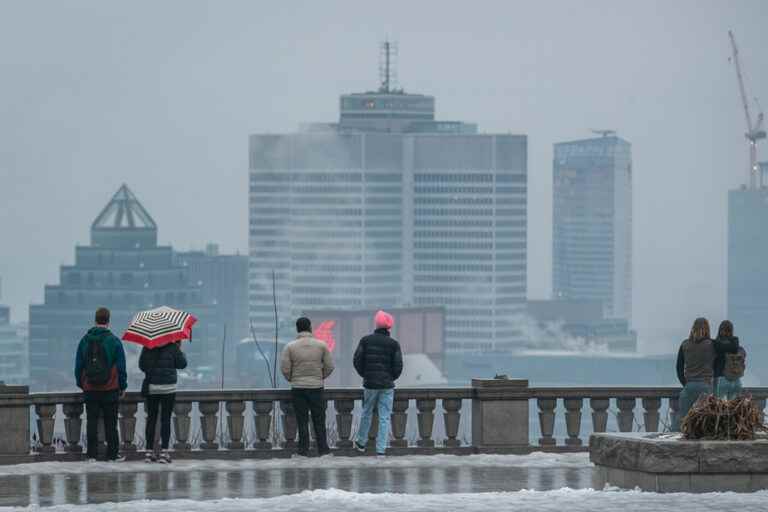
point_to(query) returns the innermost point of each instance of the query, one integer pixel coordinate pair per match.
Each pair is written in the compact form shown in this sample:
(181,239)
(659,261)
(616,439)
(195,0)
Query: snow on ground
(555,501)
(534,460)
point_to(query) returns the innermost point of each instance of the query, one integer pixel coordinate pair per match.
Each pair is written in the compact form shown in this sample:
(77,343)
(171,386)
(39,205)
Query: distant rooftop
(124,211)
(124,223)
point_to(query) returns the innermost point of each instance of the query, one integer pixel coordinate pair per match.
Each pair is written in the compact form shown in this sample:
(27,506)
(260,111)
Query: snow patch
(587,500)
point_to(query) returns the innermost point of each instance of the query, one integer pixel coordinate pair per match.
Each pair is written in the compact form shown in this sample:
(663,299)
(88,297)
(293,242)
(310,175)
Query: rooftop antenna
(388,67)
(605,133)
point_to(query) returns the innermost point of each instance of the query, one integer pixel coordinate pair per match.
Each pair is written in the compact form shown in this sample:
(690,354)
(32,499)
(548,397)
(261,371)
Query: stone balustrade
(498,416)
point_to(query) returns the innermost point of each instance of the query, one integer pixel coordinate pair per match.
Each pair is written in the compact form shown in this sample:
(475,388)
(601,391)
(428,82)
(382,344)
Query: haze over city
(404,255)
(163,96)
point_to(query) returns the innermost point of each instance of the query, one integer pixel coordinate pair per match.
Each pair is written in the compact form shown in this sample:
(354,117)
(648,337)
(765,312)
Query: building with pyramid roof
(125,270)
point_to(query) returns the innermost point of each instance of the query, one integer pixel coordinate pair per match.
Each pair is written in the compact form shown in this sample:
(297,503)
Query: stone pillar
(626,413)
(181,424)
(500,414)
(209,423)
(14,421)
(73,426)
(235,422)
(289,424)
(344,410)
(128,425)
(599,414)
(263,410)
(399,423)
(547,420)
(573,420)
(426,422)
(651,414)
(452,419)
(46,417)
(674,404)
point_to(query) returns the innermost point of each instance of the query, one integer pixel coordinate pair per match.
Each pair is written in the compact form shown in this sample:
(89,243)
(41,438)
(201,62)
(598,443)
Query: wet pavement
(100,487)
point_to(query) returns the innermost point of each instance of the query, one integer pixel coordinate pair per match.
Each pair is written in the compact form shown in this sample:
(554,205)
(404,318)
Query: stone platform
(667,463)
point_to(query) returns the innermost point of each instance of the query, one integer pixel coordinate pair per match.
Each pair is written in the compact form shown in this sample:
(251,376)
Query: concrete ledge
(669,464)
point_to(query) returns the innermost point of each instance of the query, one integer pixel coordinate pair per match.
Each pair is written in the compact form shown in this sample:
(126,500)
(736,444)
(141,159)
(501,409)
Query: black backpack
(96,369)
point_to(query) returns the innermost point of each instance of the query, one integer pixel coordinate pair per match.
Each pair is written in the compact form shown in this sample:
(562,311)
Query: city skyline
(673,95)
(391,207)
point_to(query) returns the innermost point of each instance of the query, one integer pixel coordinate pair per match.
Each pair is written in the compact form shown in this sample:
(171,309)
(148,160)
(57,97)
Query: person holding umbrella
(160,332)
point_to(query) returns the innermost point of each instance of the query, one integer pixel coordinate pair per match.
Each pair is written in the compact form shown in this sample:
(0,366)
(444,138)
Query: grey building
(748,272)
(14,353)
(125,270)
(592,223)
(389,207)
(223,283)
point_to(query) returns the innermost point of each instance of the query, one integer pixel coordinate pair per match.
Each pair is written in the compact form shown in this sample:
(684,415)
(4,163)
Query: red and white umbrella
(160,326)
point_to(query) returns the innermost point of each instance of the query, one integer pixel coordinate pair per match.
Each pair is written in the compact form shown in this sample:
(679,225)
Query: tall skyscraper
(389,207)
(748,272)
(592,220)
(125,270)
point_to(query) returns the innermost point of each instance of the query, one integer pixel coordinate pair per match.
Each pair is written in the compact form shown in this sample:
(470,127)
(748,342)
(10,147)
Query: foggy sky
(163,96)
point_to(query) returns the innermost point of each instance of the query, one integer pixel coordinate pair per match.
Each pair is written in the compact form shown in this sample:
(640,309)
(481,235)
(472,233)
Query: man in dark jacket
(100,373)
(160,367)
(379,361)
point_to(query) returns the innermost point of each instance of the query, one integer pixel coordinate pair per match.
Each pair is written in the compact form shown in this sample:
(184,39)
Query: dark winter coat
(160,364)
(115,357)
(379,360)
(725,345)
(695,361)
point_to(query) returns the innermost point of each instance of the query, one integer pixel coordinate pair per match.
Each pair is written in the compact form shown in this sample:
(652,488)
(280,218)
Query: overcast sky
(163,95)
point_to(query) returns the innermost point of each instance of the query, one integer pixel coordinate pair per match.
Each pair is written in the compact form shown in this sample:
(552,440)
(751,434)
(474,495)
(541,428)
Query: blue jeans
(688,396)
(384,399)
(728,389)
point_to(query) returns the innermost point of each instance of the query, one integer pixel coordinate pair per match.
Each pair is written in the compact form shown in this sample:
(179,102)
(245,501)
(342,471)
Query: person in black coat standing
(160,366)
(379,361)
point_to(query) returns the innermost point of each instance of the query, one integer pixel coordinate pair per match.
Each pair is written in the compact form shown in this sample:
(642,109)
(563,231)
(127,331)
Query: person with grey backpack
(730,363)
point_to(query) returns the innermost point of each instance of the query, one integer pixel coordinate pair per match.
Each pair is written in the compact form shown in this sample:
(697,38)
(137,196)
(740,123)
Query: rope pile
(714,419)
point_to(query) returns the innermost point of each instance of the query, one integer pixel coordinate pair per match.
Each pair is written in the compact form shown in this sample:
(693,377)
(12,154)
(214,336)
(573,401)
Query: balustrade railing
(498,417)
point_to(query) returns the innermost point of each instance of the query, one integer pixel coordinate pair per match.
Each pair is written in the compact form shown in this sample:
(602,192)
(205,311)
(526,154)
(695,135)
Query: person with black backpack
(730,362)
(100,372)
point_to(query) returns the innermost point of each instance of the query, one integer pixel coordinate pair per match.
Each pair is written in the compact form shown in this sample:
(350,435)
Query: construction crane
(755,132)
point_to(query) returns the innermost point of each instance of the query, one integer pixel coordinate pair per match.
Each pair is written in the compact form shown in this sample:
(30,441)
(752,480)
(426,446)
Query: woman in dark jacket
(695,363)
(160,366)
(729,362)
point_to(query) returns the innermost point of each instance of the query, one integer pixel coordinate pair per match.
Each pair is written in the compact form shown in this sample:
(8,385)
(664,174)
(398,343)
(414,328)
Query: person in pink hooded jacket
(379,361)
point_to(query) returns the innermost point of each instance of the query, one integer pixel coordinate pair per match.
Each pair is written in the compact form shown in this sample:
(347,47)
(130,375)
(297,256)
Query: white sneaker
(150,457)
(91,460)
(359,447)
(118,458)
(164,457)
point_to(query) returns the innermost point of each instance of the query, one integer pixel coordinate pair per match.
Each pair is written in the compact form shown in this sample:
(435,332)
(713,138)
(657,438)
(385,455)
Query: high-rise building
(223,283)
(592,221)
(14,353)
(125,270)
(748,272)
(390,207)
